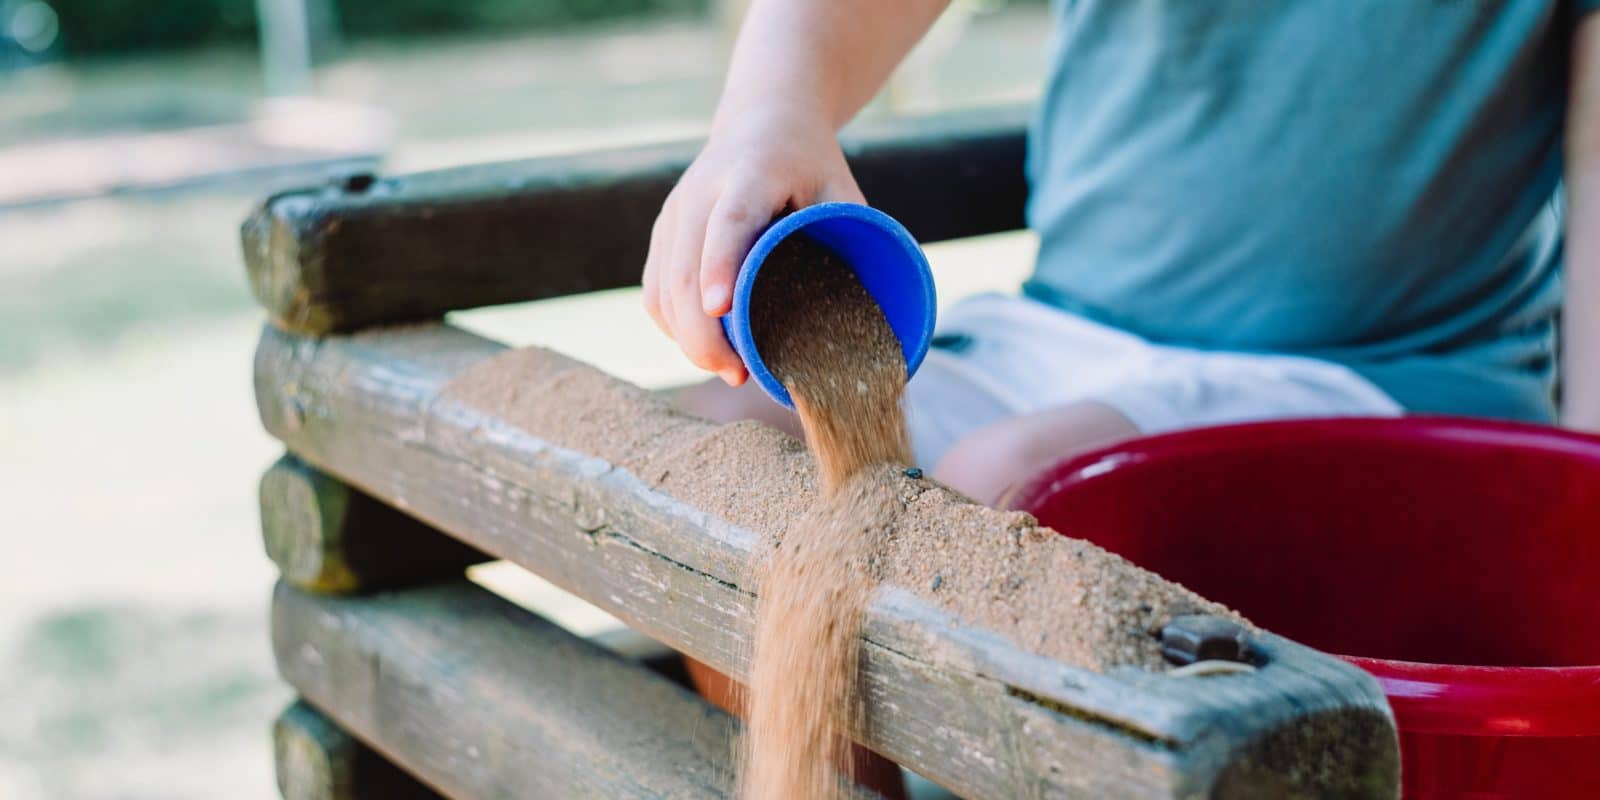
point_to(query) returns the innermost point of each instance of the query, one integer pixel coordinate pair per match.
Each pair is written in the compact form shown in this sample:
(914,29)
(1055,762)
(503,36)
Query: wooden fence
(415,681)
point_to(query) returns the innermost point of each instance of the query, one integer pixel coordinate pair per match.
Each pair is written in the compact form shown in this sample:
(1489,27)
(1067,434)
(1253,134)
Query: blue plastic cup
(885,258)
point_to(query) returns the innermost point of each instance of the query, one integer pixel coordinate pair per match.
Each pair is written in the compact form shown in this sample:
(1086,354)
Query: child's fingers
(735,221)
(681,278)
(699,334)
(702,340)
(654,266)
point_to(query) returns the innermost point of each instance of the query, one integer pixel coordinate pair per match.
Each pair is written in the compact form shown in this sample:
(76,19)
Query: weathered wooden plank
(326,536)
(353,254)
(963,706)
(482,699)
(317,760)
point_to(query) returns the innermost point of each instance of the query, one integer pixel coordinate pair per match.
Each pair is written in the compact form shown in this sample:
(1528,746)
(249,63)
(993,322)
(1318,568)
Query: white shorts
(999,356)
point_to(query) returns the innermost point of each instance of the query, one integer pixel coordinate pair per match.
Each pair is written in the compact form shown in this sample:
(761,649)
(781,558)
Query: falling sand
(822,335)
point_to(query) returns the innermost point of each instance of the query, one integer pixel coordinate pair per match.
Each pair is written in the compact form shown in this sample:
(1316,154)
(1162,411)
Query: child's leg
(995,458)
(1173,389)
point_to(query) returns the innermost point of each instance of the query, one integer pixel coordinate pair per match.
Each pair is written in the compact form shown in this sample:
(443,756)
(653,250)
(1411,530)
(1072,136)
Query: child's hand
(751,170)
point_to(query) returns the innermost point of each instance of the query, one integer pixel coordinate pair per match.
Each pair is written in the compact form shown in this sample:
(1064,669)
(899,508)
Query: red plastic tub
(1456,560)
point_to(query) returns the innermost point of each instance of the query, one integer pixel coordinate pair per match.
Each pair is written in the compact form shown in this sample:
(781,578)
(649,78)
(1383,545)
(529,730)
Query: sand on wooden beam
(326,536)
(604,490)
(356,253)
(317,760)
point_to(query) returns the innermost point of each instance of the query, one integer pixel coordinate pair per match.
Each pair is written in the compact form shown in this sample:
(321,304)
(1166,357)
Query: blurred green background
(130,26)
(134,137)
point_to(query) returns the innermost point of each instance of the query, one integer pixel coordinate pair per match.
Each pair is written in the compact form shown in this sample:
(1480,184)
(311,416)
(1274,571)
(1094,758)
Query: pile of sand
(1052,595)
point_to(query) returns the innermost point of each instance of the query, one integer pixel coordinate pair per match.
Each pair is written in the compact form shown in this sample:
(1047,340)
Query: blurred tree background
(104,27)
(134,136)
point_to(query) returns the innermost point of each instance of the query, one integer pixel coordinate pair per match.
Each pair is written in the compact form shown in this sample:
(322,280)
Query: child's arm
(800,70)
(1581,337)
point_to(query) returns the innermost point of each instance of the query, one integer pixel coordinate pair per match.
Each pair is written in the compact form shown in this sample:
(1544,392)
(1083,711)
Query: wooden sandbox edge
(968,709)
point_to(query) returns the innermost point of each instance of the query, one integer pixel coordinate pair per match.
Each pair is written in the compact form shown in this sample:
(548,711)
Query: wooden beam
(362,252)
(317,760)
(964,706)
(483,699)
(328,537)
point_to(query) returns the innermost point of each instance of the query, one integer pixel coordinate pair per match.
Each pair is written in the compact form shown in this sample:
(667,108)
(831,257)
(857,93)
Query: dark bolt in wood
(1203,637)
(358,182)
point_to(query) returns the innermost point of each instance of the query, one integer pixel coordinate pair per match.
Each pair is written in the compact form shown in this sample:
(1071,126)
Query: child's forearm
(801,69)
(823,59)
(1581,314)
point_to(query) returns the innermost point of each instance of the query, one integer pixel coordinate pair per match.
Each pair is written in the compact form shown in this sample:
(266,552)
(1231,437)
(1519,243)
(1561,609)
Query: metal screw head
(1203,637)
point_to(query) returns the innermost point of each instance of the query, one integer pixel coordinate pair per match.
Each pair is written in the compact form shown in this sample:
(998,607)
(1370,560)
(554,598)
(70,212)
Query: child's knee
(994,459)
(983,465)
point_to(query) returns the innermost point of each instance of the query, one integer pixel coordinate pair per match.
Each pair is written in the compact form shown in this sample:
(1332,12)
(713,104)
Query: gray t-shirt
(1375,182)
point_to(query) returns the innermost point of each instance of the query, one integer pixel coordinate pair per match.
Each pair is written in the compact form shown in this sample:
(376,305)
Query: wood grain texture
(318,760)
(484,700)
(963,706)
(326,536)
(414,247)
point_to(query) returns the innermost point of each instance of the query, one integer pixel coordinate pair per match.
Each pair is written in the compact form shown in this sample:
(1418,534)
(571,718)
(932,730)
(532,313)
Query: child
(1246,210)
